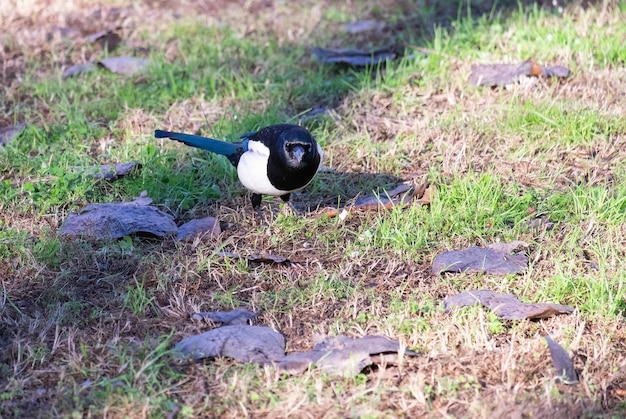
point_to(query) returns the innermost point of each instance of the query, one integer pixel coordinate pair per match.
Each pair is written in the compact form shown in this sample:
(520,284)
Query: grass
(87,327)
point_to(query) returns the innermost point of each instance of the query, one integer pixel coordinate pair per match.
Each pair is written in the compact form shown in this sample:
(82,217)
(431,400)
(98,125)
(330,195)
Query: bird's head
(300,148)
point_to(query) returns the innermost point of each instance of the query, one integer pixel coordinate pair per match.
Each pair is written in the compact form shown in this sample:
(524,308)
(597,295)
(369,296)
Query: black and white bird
(276,160)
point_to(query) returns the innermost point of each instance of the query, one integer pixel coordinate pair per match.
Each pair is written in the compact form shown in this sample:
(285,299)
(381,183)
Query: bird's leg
(286,200)
(256,205)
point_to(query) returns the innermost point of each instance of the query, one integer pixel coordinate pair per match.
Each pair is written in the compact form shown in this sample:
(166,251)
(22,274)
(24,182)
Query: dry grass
(82,322)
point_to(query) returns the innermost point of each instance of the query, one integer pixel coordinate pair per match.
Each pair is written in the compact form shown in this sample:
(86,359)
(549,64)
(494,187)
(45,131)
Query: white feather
(252,170)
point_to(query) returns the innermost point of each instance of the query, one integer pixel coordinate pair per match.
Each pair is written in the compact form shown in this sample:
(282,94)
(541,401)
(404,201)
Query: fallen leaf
(125,65)
(506,306)
(259,258)
(566,373)
(236,316)
(478,259)
(353,57)
(201,227)
(110,171)
(340,355)
(503,74)
(107,39)
(117,220)
(367,25)
(77,69)
(339,362)
(243,343)
(9,133)
(402,195)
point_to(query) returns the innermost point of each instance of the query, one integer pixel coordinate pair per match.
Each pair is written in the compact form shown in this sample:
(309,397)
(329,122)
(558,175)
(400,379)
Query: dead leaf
(402,195)
(503,74)
(566,373)
(259,258)
(479,259)
(236,316)
(201,227)
(339,362)
(117,220)
(9,133)
(125,65)
(353,57)
(107,39)
(110,171)
(367,25)
(78,69)
(243,343)
(341,355)
(506,306)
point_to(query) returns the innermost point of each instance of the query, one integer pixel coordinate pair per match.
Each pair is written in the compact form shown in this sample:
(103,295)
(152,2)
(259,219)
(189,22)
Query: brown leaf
(353,57)
(107,39)
(202,227)
(236,316)
(506,306)
(9,133)
(243,343)
(125,65)
(562,363)
(111,171)
(77,69)
(503,74)
(117,220)
(402,195)
(479,259)
(340,355)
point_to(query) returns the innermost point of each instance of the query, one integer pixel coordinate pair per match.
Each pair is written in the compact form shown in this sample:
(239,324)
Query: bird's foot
(294,210)
(261,216)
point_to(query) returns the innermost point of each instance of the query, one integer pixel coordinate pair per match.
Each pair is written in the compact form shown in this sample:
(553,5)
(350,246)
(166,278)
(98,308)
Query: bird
(276,160)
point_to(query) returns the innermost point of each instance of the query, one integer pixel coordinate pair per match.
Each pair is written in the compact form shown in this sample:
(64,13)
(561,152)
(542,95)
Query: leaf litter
(11,132)
(505,74)
(506,306)
(243,343)
(566,373)
(116,220)
(111,171)
(199,228)
(354,57)
(497,259)
(339,355)
(232,317)
(124,65)
(403,195)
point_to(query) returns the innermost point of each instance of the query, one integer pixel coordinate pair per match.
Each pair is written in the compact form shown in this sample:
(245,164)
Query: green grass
(88,327)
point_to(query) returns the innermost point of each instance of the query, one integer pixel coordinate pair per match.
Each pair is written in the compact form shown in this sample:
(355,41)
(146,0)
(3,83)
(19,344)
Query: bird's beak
(297,152)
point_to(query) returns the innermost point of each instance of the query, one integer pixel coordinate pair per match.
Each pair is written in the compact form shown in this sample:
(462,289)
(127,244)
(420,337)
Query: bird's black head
(300,149)
(294,155)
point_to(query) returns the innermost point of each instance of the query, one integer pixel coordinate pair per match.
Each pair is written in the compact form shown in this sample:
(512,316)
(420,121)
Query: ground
(87,327)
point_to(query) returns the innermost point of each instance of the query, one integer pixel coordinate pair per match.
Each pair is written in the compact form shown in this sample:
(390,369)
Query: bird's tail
(215,146)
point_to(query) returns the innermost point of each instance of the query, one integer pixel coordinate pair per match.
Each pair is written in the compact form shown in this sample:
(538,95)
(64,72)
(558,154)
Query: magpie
(276,160)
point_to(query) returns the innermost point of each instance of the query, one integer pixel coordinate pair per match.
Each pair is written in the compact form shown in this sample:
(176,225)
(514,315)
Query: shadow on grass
(336,189)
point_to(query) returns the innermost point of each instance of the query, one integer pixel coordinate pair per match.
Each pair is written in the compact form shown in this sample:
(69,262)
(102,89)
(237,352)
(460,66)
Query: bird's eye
(292,146)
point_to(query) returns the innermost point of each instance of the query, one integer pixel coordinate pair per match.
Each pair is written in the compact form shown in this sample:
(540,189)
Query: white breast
(252,170)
